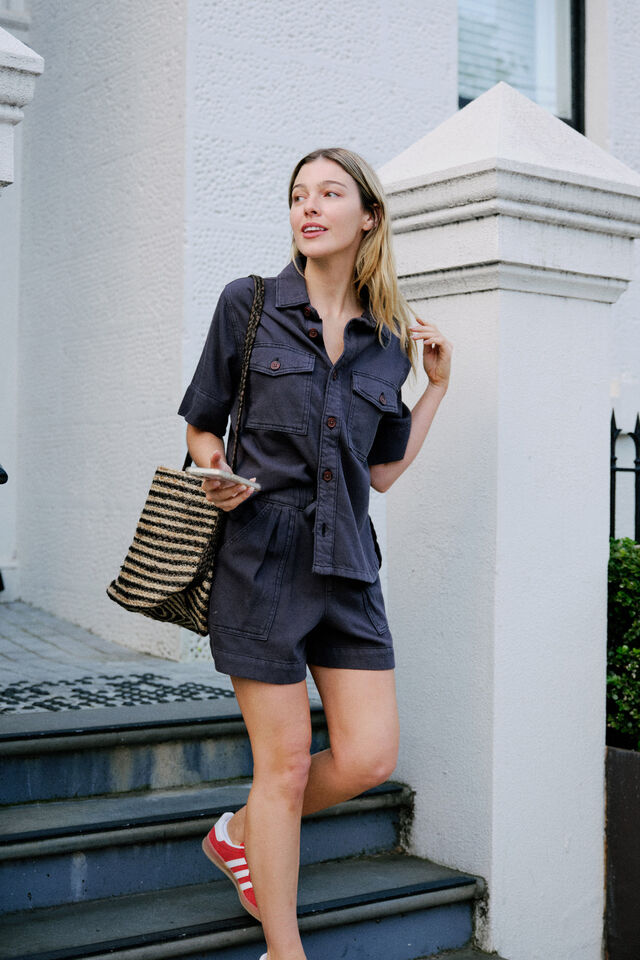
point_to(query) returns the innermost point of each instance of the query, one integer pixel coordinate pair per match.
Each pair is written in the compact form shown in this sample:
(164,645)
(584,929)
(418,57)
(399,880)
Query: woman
(296,579)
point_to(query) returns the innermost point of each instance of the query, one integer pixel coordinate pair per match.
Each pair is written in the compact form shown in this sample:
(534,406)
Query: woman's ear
(374,217)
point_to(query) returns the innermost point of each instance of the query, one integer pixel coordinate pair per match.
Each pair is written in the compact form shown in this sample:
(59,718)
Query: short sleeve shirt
(307,422)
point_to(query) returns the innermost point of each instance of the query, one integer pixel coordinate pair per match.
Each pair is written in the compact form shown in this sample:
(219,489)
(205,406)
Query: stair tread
(39,726)
(24,823)
(137,919)
(466,953)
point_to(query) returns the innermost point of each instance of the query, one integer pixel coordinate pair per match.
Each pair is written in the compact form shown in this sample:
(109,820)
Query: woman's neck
(331,289)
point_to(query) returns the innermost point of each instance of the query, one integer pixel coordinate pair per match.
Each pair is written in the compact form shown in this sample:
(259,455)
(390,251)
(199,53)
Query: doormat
(103,690)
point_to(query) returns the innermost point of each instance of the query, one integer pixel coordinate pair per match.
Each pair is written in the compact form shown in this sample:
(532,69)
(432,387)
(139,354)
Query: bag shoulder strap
(250,335)
(252,327)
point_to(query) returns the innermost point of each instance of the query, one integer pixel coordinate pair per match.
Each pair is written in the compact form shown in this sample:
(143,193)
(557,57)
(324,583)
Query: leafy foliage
(623,647)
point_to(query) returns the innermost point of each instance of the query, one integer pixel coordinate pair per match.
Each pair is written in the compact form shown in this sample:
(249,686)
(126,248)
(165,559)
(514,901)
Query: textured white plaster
(613,121)
(101,301)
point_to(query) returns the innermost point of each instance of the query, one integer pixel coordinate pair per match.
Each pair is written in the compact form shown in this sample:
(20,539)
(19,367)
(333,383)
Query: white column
(19,66)
(513,233)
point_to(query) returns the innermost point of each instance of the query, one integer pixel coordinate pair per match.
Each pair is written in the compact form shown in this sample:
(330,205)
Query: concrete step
(84,753)
(62,852)
(390,906)
(467,953)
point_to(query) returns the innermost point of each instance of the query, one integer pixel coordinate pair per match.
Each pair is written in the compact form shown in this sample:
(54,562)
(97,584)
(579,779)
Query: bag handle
(252,327)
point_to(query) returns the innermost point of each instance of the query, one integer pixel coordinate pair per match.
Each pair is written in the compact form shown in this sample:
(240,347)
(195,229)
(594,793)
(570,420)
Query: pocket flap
(276,360)
(381,393)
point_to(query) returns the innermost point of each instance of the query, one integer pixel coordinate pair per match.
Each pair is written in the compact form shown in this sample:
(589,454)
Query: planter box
(623,854)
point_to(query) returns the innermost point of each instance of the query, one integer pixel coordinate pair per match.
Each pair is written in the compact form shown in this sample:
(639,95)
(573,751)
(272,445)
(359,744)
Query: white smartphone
(222,475)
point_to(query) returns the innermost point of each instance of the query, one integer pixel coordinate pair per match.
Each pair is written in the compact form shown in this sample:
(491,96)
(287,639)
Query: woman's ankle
(235,826)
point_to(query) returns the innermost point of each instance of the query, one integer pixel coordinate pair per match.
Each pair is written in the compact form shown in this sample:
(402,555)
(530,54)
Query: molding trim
(590,204)
(505,275)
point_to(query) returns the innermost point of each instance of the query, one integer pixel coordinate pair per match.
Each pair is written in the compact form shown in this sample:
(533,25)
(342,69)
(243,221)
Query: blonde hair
(374,268)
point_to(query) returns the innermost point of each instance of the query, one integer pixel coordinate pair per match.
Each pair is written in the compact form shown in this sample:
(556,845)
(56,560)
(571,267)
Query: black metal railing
(635,436)
(4,476)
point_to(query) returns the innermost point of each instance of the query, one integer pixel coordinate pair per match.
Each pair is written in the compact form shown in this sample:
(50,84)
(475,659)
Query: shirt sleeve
(392,436)
(210,395)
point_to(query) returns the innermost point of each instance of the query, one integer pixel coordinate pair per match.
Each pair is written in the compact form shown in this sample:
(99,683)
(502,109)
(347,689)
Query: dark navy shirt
(307,422)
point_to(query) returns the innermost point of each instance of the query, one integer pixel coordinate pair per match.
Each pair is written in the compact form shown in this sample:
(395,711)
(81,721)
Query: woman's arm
(436,358)
(202,445)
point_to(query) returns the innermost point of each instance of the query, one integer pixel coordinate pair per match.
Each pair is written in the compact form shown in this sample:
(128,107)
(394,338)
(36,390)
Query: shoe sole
(217,860)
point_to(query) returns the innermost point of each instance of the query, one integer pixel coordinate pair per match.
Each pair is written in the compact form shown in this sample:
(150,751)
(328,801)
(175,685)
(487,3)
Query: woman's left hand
(436,353)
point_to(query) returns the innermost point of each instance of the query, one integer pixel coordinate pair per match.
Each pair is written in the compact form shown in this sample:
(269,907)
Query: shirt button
(331,422)
(307,312)
(327,475)
(313,332)
(335,374)
(382,398)
(275,364)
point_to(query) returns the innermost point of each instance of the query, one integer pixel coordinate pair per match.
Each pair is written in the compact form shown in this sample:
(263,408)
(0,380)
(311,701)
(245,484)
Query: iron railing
(615,470)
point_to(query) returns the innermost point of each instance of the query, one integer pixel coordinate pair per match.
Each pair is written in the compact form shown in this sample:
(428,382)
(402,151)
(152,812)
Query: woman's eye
(299,197)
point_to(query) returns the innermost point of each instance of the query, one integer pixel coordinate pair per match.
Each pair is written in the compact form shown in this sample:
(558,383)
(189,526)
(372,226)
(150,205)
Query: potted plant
(623,752)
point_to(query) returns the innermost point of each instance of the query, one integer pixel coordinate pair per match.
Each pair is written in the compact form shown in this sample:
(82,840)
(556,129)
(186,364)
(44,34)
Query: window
(537,46)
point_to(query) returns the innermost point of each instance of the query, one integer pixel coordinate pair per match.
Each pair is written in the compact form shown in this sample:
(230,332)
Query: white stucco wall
(16,23)
(613,122)
(100,299)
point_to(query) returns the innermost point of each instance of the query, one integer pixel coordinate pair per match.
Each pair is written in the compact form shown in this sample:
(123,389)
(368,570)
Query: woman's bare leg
(362,717)
(279,725)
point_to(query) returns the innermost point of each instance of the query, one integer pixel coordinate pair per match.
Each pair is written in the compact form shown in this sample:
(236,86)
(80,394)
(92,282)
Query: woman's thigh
(278,722)
(362,716)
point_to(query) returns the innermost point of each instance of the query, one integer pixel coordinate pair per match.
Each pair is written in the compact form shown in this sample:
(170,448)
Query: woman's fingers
(230,497)
(425,330)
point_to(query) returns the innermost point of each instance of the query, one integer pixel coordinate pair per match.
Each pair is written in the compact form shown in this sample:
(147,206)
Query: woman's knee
(284,767)
(370,767)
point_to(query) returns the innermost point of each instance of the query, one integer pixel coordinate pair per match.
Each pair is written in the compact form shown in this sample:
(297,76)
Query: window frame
(577,68)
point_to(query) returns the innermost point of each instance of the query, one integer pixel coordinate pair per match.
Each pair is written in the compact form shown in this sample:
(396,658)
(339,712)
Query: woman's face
(325,194)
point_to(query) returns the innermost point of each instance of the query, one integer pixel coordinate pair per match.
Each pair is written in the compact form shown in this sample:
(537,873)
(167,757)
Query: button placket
(327,491)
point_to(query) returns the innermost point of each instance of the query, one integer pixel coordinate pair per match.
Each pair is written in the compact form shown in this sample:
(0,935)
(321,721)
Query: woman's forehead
(322,170)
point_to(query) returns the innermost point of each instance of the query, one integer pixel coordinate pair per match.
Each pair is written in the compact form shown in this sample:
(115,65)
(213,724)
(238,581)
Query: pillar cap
(504,129)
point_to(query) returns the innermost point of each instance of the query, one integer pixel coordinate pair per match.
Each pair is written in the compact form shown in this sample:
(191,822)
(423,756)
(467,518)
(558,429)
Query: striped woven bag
(168,570)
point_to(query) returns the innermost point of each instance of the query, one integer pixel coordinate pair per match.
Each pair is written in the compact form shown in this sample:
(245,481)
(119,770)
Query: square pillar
(513,234)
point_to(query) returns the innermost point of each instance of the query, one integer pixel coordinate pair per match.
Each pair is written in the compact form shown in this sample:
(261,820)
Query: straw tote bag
(168,570)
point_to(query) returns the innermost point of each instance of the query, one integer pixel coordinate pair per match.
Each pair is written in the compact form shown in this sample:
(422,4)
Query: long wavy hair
(374,270)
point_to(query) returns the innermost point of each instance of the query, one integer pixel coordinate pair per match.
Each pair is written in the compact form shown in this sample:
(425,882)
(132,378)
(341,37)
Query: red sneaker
(232,861)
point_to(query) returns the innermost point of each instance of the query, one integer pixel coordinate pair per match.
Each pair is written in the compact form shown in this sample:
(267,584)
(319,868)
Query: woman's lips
(312,233)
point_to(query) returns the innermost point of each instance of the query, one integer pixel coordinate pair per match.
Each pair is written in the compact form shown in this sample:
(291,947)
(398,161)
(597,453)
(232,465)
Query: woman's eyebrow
(320,184)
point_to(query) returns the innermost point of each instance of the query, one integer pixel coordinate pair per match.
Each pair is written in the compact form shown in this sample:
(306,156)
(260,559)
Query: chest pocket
(371,397)
(279,395)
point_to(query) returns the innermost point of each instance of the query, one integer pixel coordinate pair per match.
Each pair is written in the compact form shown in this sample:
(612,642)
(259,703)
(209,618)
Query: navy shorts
(270,615)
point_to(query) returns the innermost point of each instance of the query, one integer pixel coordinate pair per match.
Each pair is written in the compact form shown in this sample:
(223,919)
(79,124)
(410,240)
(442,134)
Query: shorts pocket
(374,606)
(371,397)
(248,573)
(279,395)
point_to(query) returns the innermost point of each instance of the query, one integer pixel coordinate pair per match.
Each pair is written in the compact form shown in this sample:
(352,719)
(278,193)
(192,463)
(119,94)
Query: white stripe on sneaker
(241,861)
(243,886)
(240,873)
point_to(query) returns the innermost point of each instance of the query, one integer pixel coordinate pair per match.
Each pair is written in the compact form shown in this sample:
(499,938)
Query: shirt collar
(291,289)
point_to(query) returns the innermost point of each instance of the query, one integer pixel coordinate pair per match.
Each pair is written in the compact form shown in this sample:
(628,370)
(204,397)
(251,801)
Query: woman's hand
(224,493)
(436,353)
